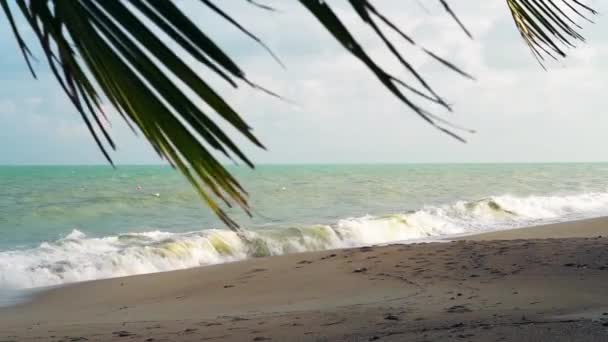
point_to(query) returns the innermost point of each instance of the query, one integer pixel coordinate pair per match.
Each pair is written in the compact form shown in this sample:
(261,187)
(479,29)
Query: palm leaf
(109,50)
(95,46)
(548,28)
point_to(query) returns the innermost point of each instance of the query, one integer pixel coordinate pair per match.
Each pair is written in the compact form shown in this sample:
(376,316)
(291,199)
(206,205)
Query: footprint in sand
(123,333)
(458,309)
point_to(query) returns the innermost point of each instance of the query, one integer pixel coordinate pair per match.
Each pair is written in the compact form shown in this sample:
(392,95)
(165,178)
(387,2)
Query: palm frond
(371,16)
(548,27)
(110,49)
(95,46)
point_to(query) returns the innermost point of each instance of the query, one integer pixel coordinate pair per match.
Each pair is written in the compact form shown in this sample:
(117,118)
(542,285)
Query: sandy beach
(546,283)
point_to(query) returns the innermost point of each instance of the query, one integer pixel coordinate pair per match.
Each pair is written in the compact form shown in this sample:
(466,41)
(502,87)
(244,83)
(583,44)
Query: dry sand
(545,283)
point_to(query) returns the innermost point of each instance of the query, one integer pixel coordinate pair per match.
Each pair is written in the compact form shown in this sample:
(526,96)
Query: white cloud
(521,112)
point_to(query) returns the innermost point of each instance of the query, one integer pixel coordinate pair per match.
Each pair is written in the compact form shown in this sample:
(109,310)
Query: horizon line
(318,163)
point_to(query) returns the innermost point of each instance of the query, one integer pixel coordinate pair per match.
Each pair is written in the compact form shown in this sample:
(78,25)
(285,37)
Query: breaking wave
(77,257)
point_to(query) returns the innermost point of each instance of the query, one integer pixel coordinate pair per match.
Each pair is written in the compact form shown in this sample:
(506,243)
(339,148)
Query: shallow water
(74,223)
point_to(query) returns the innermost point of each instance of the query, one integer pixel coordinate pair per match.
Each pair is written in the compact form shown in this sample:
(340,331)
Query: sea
(64,224)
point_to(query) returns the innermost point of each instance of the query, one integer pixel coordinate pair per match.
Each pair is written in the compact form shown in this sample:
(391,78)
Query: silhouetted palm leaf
(547,27)
(105,47)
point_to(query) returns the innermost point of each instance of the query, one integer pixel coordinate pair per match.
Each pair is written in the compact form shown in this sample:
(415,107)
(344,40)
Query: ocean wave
(77,257)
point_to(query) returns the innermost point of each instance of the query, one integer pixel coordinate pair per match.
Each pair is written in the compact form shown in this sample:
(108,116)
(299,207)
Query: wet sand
(546,283)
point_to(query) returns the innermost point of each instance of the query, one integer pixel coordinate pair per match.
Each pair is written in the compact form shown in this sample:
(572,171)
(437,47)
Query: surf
(79,257)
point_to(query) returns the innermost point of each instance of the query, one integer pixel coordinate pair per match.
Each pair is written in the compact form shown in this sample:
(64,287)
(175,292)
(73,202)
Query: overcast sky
(341,113)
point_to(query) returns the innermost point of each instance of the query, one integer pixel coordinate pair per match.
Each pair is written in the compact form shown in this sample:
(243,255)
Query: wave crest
(78,257)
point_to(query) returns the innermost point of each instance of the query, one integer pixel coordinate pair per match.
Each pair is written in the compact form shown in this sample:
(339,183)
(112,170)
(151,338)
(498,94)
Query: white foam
(78,257)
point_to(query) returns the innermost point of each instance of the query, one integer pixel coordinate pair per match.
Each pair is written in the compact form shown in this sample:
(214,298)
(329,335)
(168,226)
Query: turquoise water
(70,223)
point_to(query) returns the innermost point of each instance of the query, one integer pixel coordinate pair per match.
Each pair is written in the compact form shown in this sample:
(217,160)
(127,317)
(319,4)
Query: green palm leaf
(108,49)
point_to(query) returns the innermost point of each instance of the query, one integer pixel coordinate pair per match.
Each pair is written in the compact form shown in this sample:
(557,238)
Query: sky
(339,113)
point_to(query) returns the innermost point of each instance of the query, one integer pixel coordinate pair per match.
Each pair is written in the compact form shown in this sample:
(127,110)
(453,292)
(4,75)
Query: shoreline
(583,228)
(26,295)
(546,280)
(578,228)
(495,233)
